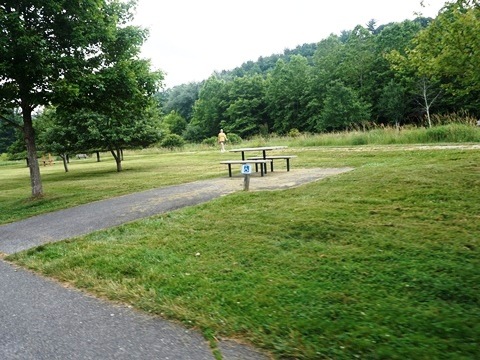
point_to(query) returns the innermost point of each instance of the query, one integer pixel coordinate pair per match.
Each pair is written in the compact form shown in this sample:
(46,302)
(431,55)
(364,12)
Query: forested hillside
(387,75)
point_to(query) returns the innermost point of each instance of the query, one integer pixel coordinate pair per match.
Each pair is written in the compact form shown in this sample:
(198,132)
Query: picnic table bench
(256,162)
(274,157)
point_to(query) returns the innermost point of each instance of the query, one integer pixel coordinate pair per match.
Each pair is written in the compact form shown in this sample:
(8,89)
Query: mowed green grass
(378,263)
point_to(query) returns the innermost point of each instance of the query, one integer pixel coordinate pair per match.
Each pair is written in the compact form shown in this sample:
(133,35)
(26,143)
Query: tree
(7,135)
(175,123)
(247,113)
(57,139)
(43,42)
(392,103)
(330,53)
(342,109)
(358,60)
(181,100)
(391,89)
(287,95)
(113,108)
(209,110)
(448,51)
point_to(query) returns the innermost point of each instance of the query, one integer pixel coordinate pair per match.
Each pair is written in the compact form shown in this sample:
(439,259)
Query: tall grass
(449,133)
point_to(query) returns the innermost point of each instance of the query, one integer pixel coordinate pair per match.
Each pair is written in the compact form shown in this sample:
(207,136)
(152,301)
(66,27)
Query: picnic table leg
(230,170)
(264,165)
(288,164)
(261,167)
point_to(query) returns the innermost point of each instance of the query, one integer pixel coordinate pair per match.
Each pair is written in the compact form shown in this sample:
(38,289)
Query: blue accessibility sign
(246,169)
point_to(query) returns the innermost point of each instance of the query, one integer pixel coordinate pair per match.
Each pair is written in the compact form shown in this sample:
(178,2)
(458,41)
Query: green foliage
(376,64)
(247,111)
(286,95)
(294,133)
(211,141)
(181,99)
(175,123)
(113,108)
(172,141)
(342,109)
(210,108)
(448,51)
(234,139)
(7,136)
(392,103)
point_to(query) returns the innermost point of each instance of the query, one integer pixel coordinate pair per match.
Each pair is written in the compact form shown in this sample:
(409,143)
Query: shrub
(172,141)
(211,141)
(294,133)
(234,139)
(193,133)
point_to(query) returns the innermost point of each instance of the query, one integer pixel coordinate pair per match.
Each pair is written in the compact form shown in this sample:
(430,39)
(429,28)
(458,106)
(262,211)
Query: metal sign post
(246,171)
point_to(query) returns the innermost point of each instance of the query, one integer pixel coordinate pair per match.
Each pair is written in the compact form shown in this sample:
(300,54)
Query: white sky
(190,39)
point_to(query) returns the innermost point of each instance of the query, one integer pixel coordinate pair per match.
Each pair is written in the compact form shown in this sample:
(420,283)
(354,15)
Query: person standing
(222,137)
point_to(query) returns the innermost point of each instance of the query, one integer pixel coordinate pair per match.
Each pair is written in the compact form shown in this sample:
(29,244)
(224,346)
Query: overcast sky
(190,39)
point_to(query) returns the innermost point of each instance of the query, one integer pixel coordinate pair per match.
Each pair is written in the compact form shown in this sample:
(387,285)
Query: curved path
(40,319)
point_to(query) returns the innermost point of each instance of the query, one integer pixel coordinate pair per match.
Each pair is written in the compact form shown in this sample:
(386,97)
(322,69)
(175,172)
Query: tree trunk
(98,156)
(29,137)
(427,105)
(65,161)
(118,158)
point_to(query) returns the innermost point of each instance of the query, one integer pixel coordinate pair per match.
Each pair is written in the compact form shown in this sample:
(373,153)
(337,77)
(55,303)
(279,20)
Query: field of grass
(378,263)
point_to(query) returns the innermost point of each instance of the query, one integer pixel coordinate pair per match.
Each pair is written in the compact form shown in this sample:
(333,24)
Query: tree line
(393,74)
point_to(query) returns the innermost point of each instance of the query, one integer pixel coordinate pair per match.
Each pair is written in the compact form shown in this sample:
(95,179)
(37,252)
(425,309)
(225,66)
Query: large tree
(42,42)
(448,51)
(247,111)
(113,108)
(343,108)
(209,110)
(287,95)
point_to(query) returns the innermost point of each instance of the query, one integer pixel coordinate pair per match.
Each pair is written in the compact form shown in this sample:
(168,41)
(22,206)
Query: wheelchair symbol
(246,169)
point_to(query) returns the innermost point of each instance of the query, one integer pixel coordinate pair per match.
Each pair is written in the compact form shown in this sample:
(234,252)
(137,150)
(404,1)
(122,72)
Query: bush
(294,133)
(234,139)
(211,141)
(172,141)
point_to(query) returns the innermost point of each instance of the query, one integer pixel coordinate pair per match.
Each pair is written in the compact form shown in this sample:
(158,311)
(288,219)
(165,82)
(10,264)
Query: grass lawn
(378,263)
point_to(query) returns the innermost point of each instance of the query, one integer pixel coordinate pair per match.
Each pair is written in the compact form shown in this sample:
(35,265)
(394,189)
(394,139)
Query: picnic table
(263,149)
(258,160)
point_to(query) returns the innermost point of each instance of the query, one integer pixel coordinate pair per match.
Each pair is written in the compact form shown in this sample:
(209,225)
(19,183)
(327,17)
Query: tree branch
(11,122)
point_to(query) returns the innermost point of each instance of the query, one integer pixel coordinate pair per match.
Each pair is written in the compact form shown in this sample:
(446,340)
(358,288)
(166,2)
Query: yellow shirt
(222,137)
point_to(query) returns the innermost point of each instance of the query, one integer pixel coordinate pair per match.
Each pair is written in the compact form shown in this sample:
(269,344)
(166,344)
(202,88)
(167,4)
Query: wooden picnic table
(263,149)
(259,160)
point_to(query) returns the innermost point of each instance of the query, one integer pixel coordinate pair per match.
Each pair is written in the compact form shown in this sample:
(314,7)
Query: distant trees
(180,99)
(287,95)
(365,75)
(246,115)
(342,109)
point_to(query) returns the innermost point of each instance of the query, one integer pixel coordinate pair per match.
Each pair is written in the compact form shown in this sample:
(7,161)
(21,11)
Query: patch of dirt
(282,179)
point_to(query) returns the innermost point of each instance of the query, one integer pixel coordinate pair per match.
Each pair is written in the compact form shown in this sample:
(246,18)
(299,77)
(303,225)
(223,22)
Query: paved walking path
(40,319)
